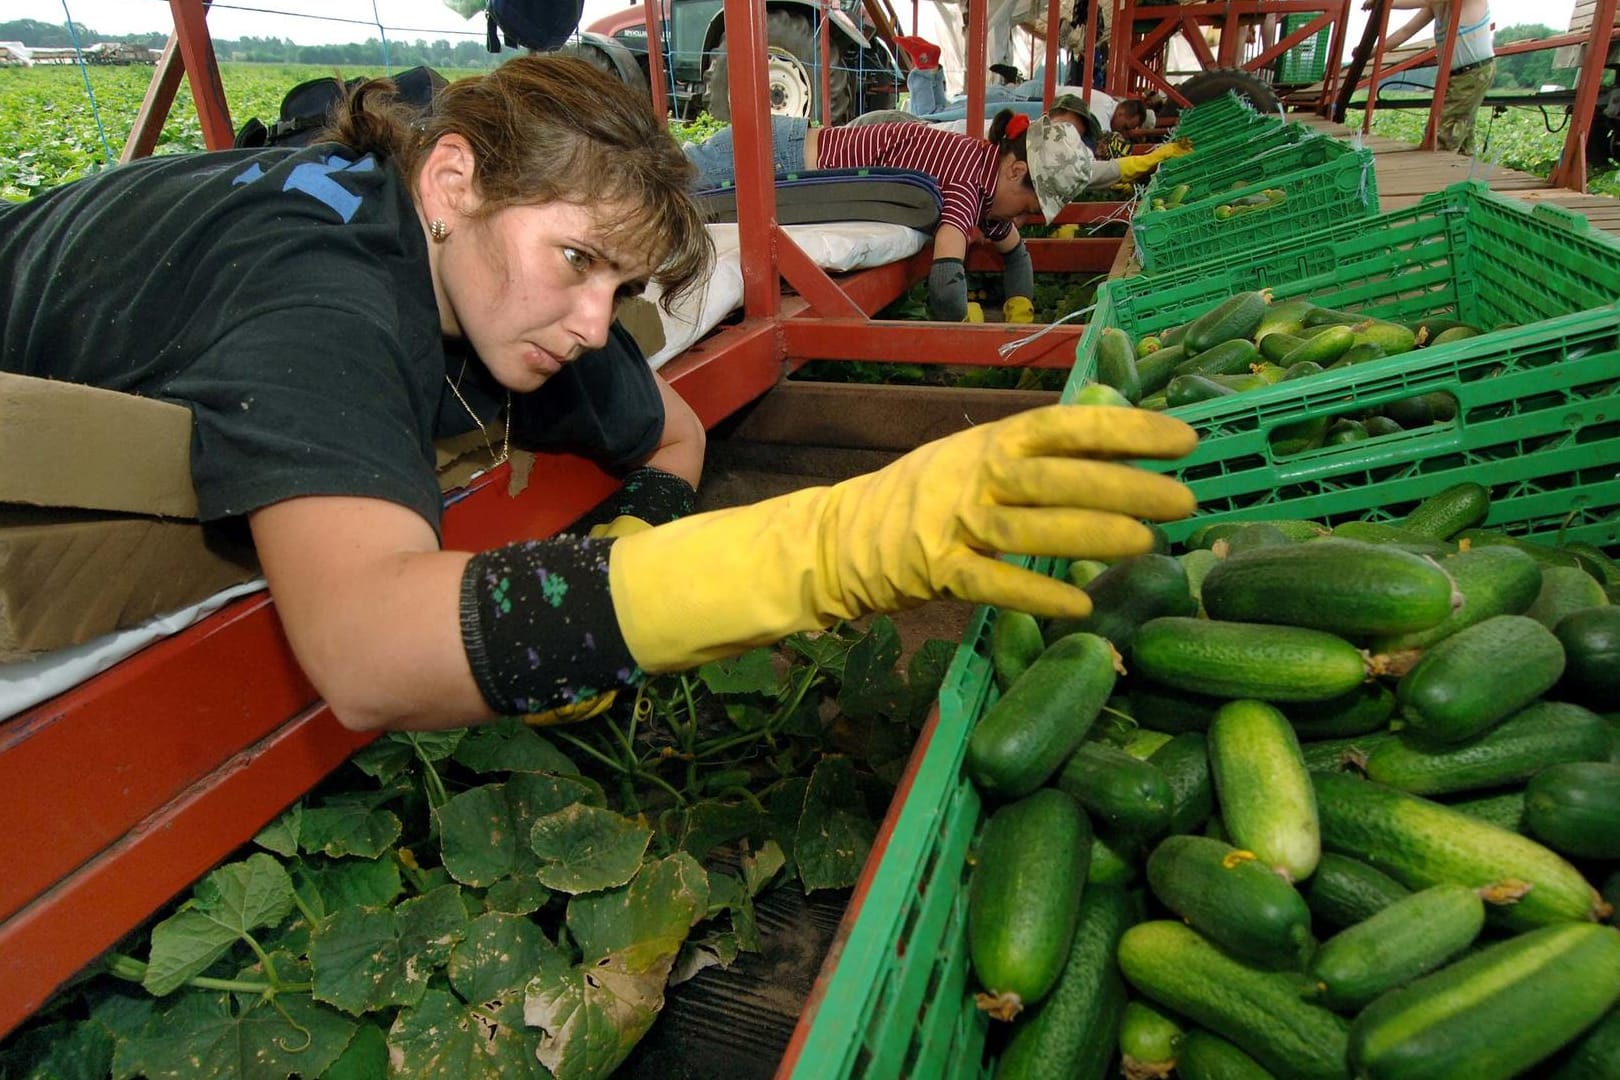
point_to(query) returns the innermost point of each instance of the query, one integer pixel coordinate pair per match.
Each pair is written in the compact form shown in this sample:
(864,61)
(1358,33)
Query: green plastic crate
(1215,153)
(894,998)
(1341,188)
(1267,162)
(1307,61)
(1207,115)
(1539,418)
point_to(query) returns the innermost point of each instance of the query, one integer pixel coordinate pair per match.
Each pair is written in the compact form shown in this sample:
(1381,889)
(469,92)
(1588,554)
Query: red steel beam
(202,72)
(154,110)
(1570,171)
(652,15)
(973,344)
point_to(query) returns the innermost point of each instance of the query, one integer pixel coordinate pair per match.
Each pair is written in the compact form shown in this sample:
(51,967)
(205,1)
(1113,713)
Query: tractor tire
(609,56)
(791,78)
(1207,85)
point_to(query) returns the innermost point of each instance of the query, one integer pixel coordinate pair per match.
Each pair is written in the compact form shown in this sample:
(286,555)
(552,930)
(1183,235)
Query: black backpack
(307,107)
(532,24)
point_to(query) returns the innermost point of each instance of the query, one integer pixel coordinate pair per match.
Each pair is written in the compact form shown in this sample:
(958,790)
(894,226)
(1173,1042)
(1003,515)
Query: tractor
(863,75)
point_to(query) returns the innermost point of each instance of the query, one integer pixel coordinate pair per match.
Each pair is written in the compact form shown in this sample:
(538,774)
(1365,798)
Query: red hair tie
(1017,125)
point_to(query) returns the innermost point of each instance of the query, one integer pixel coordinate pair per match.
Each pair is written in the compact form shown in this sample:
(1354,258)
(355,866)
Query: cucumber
(1148,1040)
(1246,660)
(1116,363)
(1197,562)
(1596,561)
(1360,353)
(1454,333)
(1114,858)
(1273,347)
(1595,1055)
(1337,755)
(1128,594)
(1191,389)
(1255,534)
(1210,1057)
(1547,556)
(1408,938)
(1574,808)
(1015,644)
(1326,316)
(1265,794)
(1237,317)
(1378,532)
(1344,586)
(1504,809)
(1155,369)
(1476,677)
(1024,898)
(1564,591)
(1392,338)
(1184,762)
(1446,513)
(1301,370)
(1165,708)
(1143,743)
(1225,358)
(1030,731)
(1293,528)
(1284,316)
(1298,437)
(1421,843)
(1491,581)
(1344,891)
(1494,1014)
(1323,347)
(1232,898)
(1260,1011)
(1070,1035)
(1591,641)
(1361,711)
(1343,431)
(1541,734)
(1130,795)
(1380,425)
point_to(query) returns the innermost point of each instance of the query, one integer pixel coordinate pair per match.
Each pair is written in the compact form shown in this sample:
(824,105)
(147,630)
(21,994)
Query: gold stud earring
(438,229)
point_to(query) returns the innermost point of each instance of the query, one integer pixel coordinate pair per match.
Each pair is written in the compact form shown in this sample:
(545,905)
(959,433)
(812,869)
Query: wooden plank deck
(1406,174)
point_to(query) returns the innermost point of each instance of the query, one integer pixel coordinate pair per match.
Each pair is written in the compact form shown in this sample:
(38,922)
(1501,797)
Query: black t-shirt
(284,297)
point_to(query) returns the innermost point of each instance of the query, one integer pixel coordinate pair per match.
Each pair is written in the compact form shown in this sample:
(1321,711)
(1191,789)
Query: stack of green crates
(1213,115)
(1339,186)
(1219,150)
(1291,148)
(1307,61)
(1538,396)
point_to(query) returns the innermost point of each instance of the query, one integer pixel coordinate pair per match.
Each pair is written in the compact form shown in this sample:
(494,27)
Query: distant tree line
(1531,70)
(466,53)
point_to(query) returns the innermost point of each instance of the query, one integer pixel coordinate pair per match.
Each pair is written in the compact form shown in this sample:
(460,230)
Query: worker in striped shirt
(1021,172)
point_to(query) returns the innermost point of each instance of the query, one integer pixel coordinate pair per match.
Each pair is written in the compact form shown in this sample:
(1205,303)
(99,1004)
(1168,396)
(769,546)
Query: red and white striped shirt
(962,166)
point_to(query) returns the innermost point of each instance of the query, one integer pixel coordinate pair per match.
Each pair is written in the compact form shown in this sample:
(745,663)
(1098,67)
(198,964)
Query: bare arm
(681,447)
(949,243)
(1399,37)
(371,607)
(1008,242)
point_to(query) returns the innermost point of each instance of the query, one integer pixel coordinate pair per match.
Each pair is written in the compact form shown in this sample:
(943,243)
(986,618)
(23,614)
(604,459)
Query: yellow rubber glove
(1133,167)
(1018,309)
(623,525)
(975,312)
(1066,232)
(1042,482)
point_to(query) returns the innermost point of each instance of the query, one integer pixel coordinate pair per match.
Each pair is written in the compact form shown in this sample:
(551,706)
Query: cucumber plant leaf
(349,882)
(510,745)
(242,1036)
(835,832)
(872,688)
(445,1038)
(366,959)
(592,1013)
(754,672)
(281,835)
(484,832)
(349,827)
(225,907)
(585,848)
(498,955)
(365,1058)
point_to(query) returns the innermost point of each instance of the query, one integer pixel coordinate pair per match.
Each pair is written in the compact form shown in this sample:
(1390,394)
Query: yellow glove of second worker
(1042,482)
(1018,309)
(623,525)
(1133,167)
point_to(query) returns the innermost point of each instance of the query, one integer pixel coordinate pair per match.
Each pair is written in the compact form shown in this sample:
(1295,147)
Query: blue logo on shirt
(314,178)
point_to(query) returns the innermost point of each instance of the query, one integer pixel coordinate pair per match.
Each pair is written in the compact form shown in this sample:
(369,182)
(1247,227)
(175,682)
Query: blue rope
(84,71)
(383,33)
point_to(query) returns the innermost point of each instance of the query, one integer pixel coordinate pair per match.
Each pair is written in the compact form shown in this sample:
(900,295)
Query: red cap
(922,54)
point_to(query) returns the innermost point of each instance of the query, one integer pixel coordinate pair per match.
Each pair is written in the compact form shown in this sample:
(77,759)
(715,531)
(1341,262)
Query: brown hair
(1016,145)
(550,128)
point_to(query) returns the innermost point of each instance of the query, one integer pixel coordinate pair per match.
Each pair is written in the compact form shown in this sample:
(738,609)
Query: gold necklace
(506,440)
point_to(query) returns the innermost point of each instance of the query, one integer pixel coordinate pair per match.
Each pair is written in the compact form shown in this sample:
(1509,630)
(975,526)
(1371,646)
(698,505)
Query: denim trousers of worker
(714,156)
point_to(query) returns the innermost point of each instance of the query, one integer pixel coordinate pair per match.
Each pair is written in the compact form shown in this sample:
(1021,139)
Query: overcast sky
(312,22)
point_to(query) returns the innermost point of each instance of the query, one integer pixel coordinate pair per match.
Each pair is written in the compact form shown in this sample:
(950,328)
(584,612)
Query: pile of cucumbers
(1300,801)
(1247,342)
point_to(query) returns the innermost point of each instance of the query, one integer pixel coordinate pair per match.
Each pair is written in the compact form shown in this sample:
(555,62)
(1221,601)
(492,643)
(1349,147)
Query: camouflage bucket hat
(1059,163)
(1072,103)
